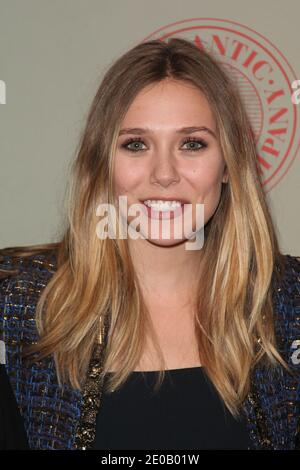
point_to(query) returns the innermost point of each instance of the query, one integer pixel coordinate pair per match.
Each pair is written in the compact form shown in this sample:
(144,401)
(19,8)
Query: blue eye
(198,144)
(132,141)
(195,141)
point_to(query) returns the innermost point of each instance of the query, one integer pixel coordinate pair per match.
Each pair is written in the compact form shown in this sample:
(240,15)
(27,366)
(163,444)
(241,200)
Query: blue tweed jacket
(62,418)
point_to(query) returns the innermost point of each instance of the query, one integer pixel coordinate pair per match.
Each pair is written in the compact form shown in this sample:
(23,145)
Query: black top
(12,433)
(185,413)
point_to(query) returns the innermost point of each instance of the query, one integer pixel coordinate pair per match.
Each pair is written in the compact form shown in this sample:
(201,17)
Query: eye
(193,140)
(198,144)
(133,140)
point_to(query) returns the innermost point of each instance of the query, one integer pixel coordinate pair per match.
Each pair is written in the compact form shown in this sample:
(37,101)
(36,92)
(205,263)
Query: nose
(164,171)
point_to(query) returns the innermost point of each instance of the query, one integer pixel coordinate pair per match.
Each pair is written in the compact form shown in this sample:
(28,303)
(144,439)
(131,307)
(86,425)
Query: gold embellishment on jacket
(262,433)
(91,398)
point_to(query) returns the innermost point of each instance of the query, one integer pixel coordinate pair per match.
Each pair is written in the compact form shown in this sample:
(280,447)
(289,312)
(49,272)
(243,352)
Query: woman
(91,321)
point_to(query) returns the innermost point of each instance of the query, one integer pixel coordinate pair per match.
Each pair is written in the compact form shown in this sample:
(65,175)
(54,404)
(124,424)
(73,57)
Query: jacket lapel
(91,397)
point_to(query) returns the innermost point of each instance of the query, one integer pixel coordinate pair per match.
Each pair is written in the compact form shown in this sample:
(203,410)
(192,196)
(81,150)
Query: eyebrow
(182,130)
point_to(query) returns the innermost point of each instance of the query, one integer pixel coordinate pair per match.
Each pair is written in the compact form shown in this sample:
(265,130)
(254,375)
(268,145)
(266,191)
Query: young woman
(138,342)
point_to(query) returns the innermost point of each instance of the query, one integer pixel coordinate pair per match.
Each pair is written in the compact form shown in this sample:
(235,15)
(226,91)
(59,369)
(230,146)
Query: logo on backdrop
(264,78)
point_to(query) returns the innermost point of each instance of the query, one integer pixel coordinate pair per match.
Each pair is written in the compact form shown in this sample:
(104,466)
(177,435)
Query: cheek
(125,177)
(205,181)
(207,189)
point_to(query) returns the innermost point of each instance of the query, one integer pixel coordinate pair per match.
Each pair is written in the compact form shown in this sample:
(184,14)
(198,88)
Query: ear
(225,175)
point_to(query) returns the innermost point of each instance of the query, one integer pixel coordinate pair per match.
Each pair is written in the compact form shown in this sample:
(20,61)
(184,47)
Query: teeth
(159,205)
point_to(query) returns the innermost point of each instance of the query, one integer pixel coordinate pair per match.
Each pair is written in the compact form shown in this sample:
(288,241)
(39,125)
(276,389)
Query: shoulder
(287,287)
(38,262)
(291,271)
(22,279)
(18,270)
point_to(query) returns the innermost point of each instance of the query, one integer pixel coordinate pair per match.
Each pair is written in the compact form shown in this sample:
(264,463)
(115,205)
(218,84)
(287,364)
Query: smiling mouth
(162,208)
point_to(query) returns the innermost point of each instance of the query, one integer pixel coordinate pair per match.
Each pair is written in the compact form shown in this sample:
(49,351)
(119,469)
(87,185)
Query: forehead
(169,104)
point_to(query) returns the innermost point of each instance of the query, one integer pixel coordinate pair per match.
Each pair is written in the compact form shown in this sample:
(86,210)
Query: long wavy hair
(95,280)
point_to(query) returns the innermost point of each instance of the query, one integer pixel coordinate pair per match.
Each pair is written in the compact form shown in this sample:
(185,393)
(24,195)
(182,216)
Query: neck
(166,273)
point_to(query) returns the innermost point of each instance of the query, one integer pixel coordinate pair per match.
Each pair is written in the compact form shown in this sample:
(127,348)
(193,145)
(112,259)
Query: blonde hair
(95,279)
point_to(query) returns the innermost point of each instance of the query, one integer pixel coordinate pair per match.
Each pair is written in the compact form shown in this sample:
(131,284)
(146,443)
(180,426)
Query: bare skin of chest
(176,333)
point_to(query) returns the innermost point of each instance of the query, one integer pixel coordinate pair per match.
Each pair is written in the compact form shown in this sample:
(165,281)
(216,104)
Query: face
(160,163)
